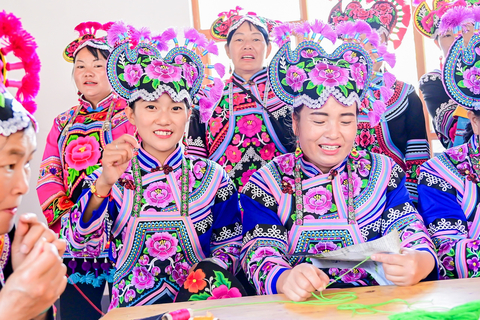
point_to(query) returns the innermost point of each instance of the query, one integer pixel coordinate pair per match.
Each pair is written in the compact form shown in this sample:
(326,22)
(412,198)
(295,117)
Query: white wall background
(51,22)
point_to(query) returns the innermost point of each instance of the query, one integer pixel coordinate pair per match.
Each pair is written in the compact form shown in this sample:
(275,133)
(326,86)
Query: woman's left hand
(407,268)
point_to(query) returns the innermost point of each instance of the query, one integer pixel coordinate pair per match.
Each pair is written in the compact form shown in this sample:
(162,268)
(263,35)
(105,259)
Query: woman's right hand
(299,283)
(116,158)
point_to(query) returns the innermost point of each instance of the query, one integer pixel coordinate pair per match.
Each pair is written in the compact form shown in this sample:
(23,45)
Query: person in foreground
(448,184)
(32,275)
(328,195)
(169,216)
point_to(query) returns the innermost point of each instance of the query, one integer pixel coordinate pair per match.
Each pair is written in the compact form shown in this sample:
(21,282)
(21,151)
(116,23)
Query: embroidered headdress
(87,37)
(229,21)
(136,69)
(309,75)
(389,17)
(15,40)
(428,20)
(461,72)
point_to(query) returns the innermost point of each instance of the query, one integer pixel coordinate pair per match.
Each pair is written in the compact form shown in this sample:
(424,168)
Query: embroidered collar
(149,162)
(259,77)
(102,105)
(310,170)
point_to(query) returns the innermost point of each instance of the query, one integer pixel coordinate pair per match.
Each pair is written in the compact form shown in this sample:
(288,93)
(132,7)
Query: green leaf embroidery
(461,84)
(284,82)
(177,87)
(333,208)
(71,138)
(181,82)
(96,136)
(310,64)
(283,71)
(310,85)
(155,83)
(221,280)
(2,101)
(329,187)
(91,169)
(349,85)
(242,150)
(197,184)
(139,59)
(121,76)
(72,175)
(120,66)
(344,90)
(320,89)
(199,297)
(301,65)
(252,167)
(264,129)
(146,79)
(364,183)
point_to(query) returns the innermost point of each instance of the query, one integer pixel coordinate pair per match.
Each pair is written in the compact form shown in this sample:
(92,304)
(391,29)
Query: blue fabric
(96,214)
(435,204)
(254,213)
(461,126)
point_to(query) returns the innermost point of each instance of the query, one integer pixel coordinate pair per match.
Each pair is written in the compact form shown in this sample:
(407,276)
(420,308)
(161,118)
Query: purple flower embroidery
(471,79)
(144,260)
(263,252)
(464,166)
(162,245)
(309,53)
(133,73)
(180,273)
(180,59)
(359,74)
(318,200)
(328,75)
(354,275)
(155,271)
(190,74)
(406,235)
(350,56)
(323,247)
(142,278)
(286,163)
(444,248)
(474,245)
(473,264)
(114,299)
(163,71)
(458,153)
(364,167)
(199,169)
(129,295)
(448,263)
(295,77)
(158,194)
(357,184)
(191,179)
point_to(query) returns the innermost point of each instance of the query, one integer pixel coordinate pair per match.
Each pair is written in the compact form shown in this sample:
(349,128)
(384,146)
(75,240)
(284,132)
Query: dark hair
(132,104)
(95,52)
(469,129)
(261,29)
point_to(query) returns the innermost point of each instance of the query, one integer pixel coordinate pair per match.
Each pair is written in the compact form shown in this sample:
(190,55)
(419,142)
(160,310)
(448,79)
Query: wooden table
(445,293)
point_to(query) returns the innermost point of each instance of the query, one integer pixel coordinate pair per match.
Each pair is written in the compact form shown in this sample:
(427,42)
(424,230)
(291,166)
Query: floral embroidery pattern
(82,152)
(158,194)
(161,245)
(318,200)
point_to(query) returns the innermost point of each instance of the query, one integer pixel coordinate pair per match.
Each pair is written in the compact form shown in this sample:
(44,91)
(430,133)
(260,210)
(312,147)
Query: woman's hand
(299,283)
(35,285)
(28,232)
(407,268)
(116,158)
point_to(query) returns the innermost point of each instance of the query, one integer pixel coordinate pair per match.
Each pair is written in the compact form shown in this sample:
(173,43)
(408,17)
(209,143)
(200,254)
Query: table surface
(434,295)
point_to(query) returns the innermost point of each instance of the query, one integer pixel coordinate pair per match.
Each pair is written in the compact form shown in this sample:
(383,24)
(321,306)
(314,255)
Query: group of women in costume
(171,185)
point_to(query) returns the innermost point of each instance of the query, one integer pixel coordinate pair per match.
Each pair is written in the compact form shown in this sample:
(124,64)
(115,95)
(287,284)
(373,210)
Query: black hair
(469,129)
(131,104)
(261,29)
(95,52)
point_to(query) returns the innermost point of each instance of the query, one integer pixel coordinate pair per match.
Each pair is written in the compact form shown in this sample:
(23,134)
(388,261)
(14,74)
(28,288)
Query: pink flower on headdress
(190,74)
(359,74)
(133,73)
(350,56)
(309,53)
(471,79)
(163,71)
(295,77)
(82,153)
(318,200)
(249,125)
(328,75)
(180,59)
(385,19)
(458,153)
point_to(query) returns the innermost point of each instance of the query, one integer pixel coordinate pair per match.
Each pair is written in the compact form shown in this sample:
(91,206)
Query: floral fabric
(249,138)
(448,201)
(271,236)
(402,136)
(153,253)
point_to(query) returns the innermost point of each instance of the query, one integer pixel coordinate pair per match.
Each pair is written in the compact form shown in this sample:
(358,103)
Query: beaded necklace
(137,177)
(299,188)
(106,126)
